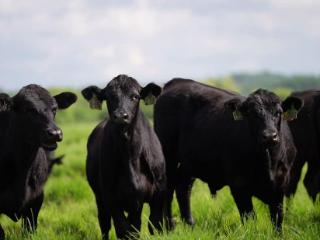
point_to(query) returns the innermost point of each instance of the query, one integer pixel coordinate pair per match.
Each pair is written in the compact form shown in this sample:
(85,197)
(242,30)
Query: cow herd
(256,145)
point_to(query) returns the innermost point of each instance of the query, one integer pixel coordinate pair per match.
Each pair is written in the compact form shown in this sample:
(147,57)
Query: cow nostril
(274,136)
(125,116)
(55,134)
(267,136)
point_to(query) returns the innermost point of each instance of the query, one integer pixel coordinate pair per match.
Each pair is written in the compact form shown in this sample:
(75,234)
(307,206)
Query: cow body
(306,133)
(125,164)
(28,134)
(201,139)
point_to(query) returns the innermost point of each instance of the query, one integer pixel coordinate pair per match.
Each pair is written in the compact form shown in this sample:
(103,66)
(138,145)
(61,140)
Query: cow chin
(120,122)
(269,144)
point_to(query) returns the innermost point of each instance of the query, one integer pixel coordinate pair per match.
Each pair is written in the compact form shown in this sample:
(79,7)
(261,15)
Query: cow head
(35,110)
(122,95)
(264,111)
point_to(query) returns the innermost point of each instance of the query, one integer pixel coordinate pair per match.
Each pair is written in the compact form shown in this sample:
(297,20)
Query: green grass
(69,211)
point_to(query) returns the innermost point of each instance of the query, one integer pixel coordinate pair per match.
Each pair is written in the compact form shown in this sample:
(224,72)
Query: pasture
(69,211)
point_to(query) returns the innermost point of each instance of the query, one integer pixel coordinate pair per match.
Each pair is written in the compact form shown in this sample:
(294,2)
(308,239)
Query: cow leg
(311,181)
(169,218)
(30,214)
(183,190)
(121,223)
(157,208)
(2,235)
(104,217)
(171,183)
(134,218)
(295,174)
(276,211)
(244,202)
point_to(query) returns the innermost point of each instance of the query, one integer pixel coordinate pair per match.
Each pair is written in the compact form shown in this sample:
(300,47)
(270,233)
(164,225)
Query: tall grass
(69,211)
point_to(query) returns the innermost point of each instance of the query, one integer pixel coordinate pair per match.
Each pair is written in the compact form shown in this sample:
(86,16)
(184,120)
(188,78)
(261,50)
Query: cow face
(264,111)
(35,110)
(122,95)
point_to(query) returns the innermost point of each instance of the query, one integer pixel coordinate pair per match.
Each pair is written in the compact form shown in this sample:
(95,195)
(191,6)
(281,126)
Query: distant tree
(282,92)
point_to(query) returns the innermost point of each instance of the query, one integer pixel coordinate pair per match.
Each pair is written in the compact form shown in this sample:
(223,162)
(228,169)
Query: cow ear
(65,99)
(6,102)
(234,106)
(92,95)
(291,106)
(150,93)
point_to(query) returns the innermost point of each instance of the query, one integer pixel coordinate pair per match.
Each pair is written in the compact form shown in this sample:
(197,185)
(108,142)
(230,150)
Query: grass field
(69,210)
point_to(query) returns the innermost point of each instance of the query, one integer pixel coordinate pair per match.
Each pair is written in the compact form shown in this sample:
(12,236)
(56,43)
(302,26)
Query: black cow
(125,164)
(225,139)
(27,133)
(306,134)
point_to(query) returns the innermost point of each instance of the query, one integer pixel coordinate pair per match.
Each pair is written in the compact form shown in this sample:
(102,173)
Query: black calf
(225,139)
(125,163)
(27,133)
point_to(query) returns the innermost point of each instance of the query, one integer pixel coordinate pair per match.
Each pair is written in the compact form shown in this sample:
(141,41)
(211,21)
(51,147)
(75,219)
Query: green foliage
(251,81)
(79,111)
(282,92)
(225,83)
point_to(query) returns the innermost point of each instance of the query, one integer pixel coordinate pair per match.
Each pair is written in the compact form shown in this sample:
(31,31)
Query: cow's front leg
(30,214)
(134,218)
(276,211)
(157,211)
(244,202)
(121,223)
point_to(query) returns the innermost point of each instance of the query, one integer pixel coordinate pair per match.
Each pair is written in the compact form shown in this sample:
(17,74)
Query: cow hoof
(190,221)
(171,224)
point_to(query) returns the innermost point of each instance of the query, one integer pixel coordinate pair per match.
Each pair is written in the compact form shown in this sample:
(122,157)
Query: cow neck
(275,157)
(16,148)
(130,141)
(277,152)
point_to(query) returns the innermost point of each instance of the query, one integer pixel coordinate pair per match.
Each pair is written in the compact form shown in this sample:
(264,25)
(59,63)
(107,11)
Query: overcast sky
(78,42)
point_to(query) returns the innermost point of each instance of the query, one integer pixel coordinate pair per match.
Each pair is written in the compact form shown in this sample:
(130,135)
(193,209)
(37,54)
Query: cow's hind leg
(183,190)
(171,169)
(244,202)
(104,217)
(2,235)
(30,214)
(311,182)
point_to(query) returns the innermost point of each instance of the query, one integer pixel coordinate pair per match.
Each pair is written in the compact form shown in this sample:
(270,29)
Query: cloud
(80,42)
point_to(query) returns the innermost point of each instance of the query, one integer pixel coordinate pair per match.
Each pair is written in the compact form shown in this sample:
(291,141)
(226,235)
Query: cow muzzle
(270,138)
(52,136)
(120,117)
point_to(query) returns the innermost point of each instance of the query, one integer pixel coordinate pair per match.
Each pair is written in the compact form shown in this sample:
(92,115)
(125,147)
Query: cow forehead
(36,96)
(124,84)
(264,99)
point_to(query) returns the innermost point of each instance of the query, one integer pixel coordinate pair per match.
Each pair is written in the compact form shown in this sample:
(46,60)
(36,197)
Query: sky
(82,42)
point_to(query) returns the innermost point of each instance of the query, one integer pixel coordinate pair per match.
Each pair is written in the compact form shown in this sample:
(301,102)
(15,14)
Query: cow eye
(134,97)
(277,113)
